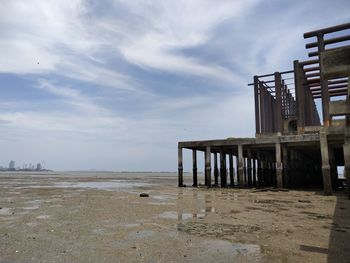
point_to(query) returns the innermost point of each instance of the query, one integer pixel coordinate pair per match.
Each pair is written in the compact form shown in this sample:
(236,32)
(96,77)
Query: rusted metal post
(279,166)
(232,182)
(194,160)
(240,166)
(216,170)
(208,166)
(327,183)
(256,100)
(278,113)
(180,167)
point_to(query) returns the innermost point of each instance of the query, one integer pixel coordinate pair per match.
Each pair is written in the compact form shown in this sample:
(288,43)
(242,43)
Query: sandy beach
(100,217)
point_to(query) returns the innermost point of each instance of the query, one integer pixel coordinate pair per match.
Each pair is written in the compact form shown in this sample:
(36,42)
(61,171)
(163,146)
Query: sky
(115,84)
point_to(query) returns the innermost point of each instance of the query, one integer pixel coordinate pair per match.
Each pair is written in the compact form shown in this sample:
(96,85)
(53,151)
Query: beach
(100,217)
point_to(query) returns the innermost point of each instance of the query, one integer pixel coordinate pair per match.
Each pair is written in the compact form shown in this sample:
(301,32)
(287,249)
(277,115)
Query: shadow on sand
(339,241)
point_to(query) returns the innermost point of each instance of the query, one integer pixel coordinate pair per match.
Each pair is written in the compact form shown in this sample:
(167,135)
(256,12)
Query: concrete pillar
(237,170)
(232,175)
(245,172)
(334,170)
(326,171)
(249,168)
(194,160)
(279,166)
(216,170)
(254,173)
(346,149)
(223,174)
(208,166)
(285,166)
(240,166)
(180,167)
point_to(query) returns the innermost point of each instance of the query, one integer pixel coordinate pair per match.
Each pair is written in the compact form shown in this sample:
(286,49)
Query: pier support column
(326,171)
(216,170)
(237,170)
(334,170)
(279,166)
(223,169)
(254,173)
(180,167)
(194,159)
(285,166)
(208,166)
(232,182)
(249,168)
(240,166)
(346,149)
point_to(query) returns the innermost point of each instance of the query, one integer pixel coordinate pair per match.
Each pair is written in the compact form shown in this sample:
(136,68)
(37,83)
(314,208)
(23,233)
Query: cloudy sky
(115,84)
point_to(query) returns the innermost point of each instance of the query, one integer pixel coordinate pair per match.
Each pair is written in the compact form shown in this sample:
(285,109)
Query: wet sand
(100,217)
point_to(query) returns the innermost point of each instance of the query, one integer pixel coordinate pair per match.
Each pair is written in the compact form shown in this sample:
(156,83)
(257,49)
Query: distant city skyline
(115,84)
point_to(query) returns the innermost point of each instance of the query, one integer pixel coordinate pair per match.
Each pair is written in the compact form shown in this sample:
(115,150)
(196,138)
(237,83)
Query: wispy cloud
(114,84)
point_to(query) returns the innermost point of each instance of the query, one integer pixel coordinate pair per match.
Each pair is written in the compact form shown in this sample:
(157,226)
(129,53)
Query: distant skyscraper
(12,165)
(38,167)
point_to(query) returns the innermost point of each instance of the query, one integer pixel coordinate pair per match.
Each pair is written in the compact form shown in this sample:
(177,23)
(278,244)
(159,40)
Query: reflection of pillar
(216,169)
(180,168)
(194,159)
(279,167)
(249,168)
(327,184)
(240,166)
(232,182)
(208,166)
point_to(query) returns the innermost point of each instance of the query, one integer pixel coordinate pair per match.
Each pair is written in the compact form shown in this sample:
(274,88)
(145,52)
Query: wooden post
(249,167)
(327,183)
(180,167)
(240,166)
(216,170)
(279,166)
(279,117)
(232,182)
(194,159)
(208,166)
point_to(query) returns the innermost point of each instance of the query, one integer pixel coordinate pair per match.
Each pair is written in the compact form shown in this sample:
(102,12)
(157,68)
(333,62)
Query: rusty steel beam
(327,30)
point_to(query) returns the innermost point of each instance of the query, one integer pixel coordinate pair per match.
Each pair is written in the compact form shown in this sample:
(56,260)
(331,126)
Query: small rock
(144,195)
